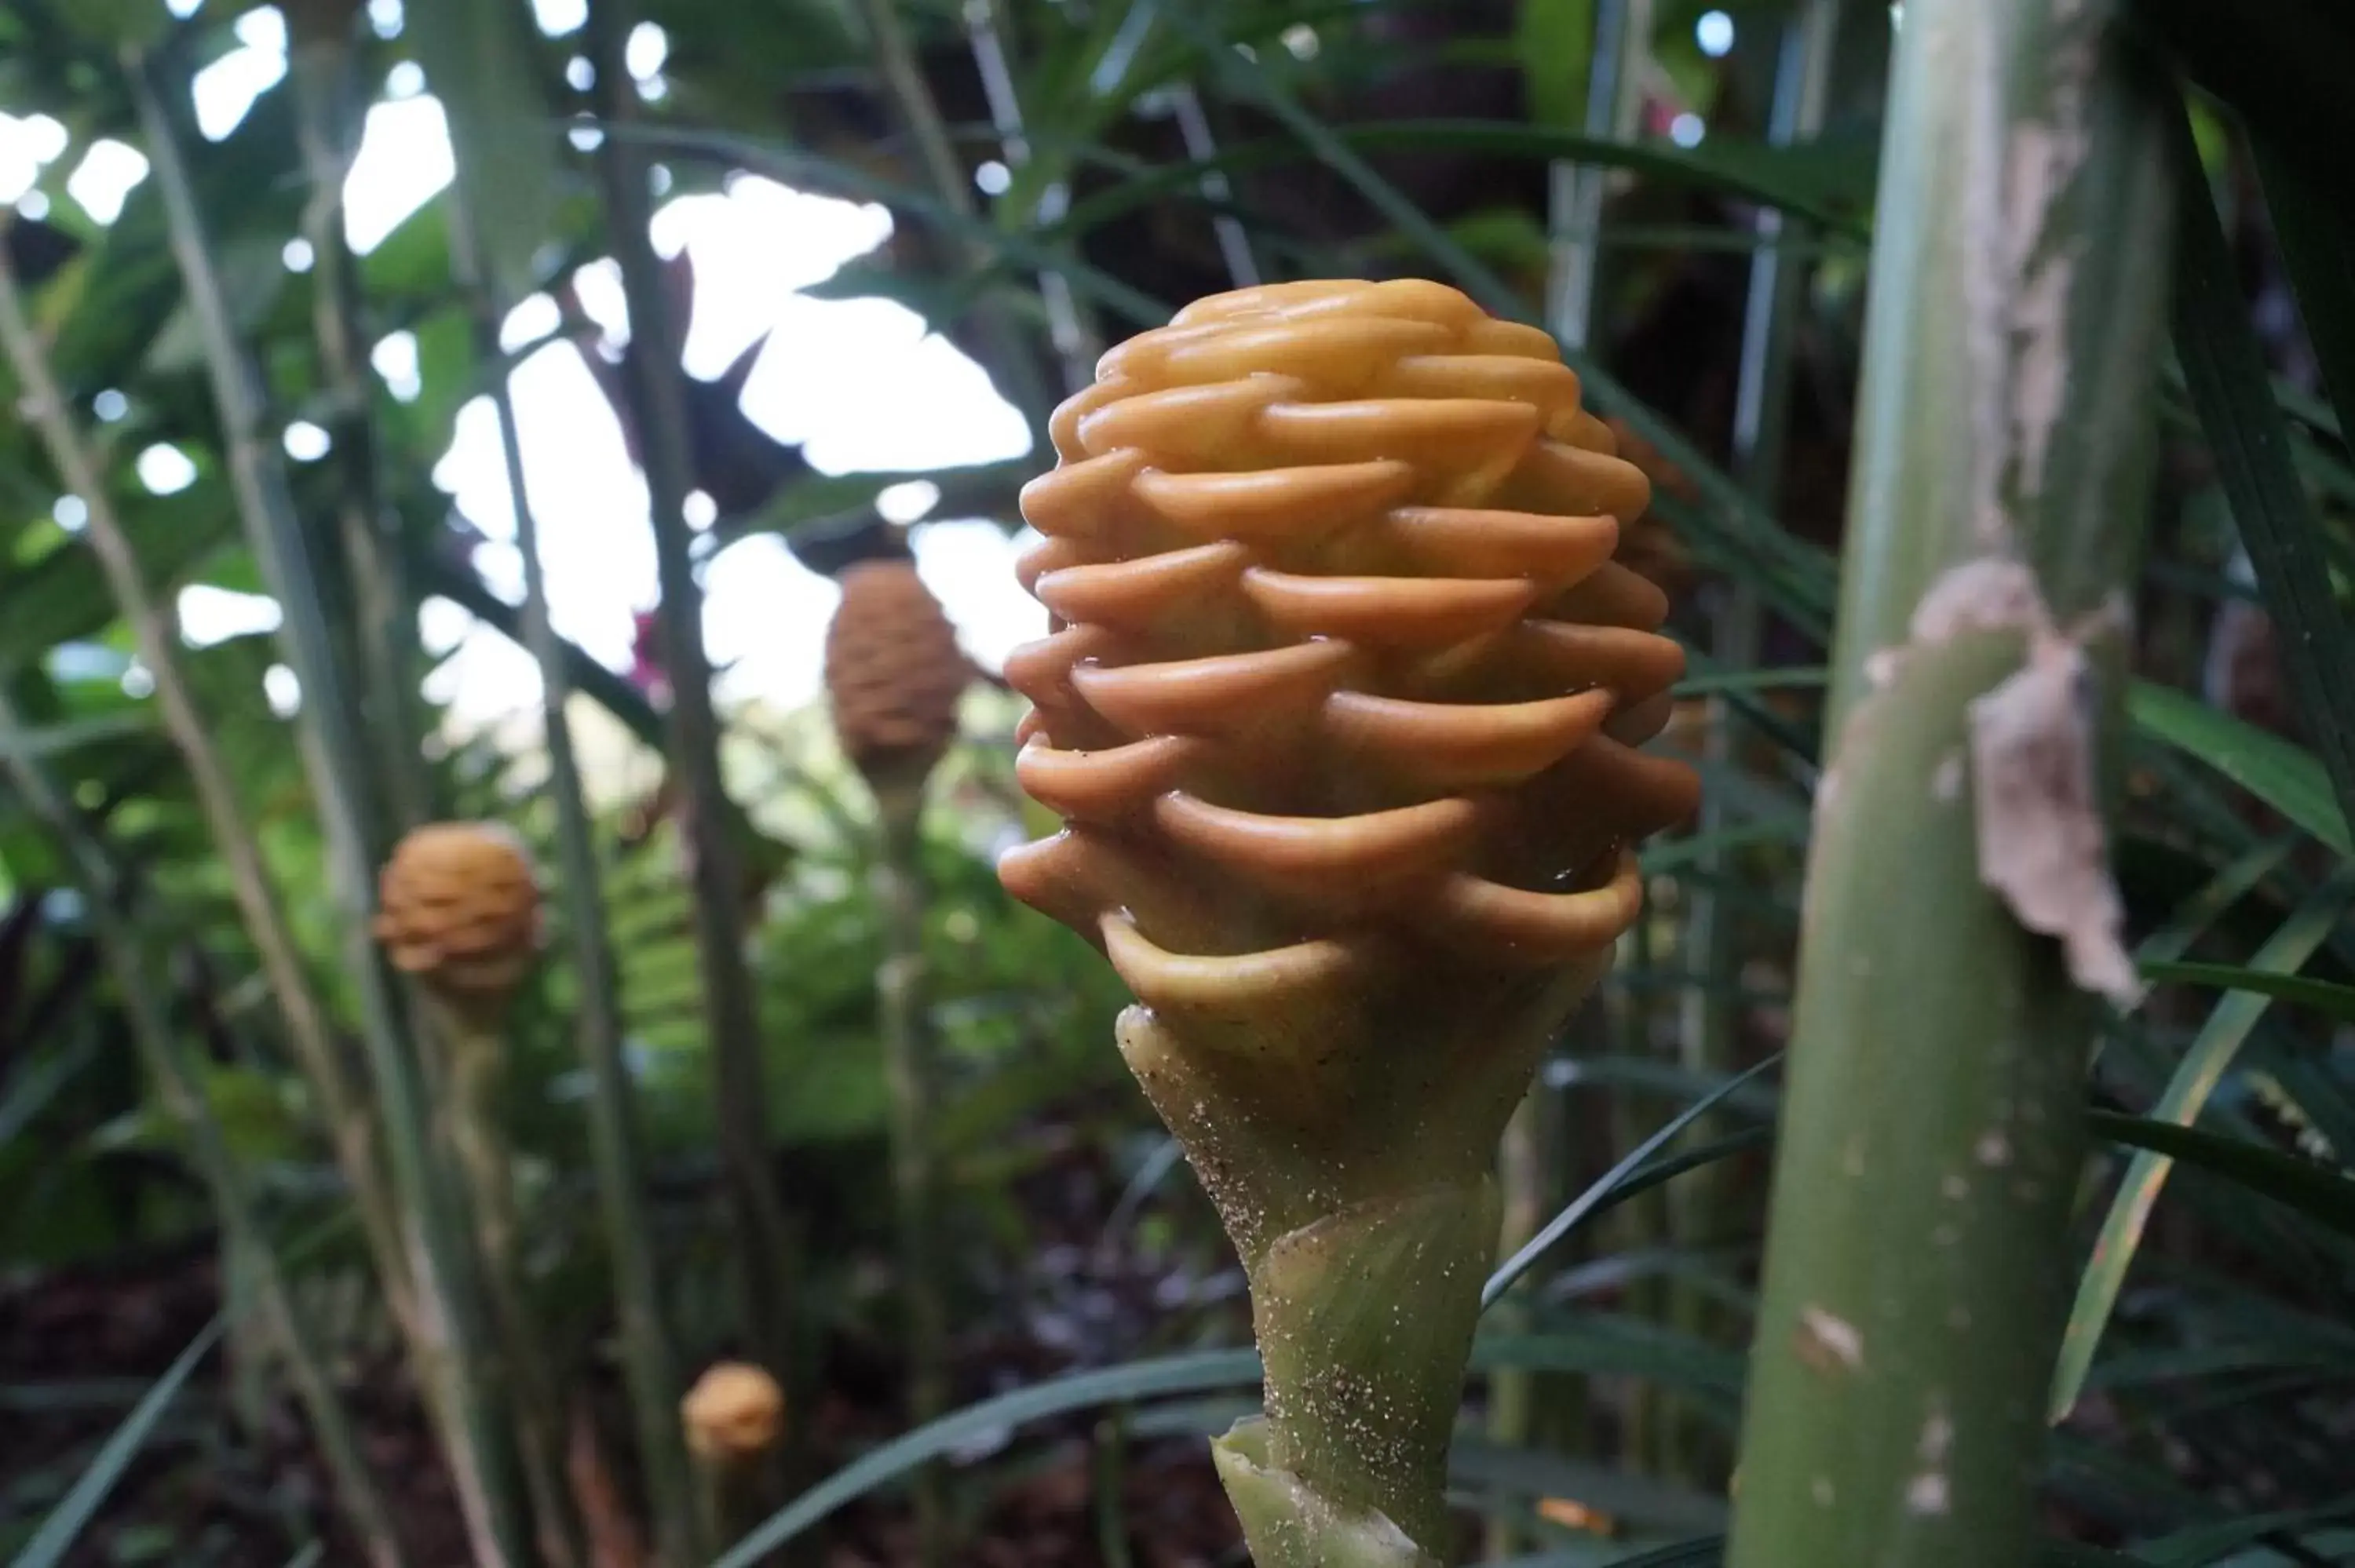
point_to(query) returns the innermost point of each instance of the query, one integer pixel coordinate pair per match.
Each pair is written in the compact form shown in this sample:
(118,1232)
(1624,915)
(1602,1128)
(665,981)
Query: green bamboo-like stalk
(342,768)
(184,1097)
(1523,1177)
(469,1105)
(731,1015)
(1623,41)
(1641,1227)
(1711,1015)
(646,1350)
(1959,914)
(327,122)
(351,1127)
(648,1357)
(908,1057)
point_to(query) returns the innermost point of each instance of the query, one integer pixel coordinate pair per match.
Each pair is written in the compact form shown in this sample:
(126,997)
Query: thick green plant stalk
(1623,41)
(328,117)
(648,1357)
(351,1127)
(184,1098)
(649,1361)
(740,1086)
(894,675)
(472,1077)
(910,1063)
(1524,1181)
(343,770)
(1961,926)
(1640,1228)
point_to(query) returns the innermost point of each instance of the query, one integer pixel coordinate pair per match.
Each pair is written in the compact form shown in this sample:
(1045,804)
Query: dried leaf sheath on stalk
(1342,716)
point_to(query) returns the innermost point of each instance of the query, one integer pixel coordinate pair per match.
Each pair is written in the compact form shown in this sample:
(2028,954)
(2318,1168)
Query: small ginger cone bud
(733,1414)
(894,672)
(458,907)
(1341,717)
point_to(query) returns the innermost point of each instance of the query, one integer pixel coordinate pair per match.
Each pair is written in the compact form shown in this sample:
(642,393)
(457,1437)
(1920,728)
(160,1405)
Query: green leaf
(1810,677)
(75,1511)
(30,1088)
(62,597)
(2281,773)
(1708,1552)
(1827,182)
(478,61)
(1081,1391)
(1555,41)
(799,166)
(2194,915)
(1588,1202)
(2224,370)
(1651,1505)
(2336,1001)
(2316,234)
(2209,1543)
(1607,1343)
(2314,1190)
(2202,1068)
(820,504)
(52,740)
(436,574)
(2283,64)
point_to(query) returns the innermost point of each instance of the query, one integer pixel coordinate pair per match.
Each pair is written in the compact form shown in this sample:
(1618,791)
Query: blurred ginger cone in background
(734,1419)
(895,673)
(735,1412)
(458,907)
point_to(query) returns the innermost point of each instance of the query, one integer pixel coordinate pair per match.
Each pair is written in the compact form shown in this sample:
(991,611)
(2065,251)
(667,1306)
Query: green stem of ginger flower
(474,1072)
(910,1064)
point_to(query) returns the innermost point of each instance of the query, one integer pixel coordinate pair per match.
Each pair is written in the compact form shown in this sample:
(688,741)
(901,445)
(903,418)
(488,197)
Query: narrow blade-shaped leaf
(2203,1067)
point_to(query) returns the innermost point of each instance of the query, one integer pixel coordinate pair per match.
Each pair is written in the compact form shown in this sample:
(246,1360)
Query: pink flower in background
(647,671)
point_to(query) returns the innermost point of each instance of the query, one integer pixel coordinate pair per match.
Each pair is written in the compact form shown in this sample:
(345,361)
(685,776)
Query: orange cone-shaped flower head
(893,671)
(734,1411)
(458,907)
(1344,661)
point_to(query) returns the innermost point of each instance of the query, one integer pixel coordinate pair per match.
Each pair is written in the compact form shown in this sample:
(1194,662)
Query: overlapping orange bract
(894,672)
(734,1411)
(1343,664)
(458,906)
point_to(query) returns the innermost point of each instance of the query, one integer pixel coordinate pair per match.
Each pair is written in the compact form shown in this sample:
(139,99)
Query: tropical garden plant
(611,1111)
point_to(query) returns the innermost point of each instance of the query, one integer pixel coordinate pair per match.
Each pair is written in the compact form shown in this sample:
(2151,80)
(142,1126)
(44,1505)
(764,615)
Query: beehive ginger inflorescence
(1340,711)
(1343,663)
(458,906)
(895,673)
